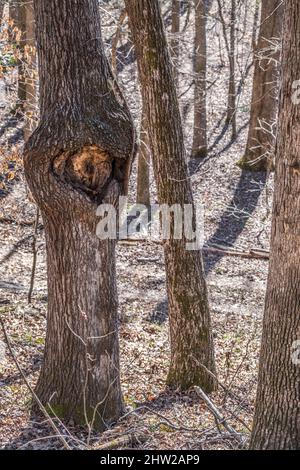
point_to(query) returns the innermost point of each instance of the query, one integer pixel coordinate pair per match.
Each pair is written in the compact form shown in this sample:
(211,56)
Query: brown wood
(79,156)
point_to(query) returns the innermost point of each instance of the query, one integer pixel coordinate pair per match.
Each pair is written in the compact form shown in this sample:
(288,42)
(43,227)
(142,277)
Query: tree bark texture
(189,316)
(277,412)
(79,156)
(259,151)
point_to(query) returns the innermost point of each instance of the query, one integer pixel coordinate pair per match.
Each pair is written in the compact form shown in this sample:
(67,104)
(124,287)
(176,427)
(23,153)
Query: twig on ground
(217,414)
(34,395)
(256,253)
(34,252)
(129,439)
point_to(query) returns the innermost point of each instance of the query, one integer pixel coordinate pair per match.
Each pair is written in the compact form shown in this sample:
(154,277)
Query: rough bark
(259,151)
(277,411)
(189,316)
(199,147)
(143,183)
(79,155)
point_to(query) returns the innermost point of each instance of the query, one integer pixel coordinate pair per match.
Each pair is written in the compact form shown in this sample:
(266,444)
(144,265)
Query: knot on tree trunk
(91,170)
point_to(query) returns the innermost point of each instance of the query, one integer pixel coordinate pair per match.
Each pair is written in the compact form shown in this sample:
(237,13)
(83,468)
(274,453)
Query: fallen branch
(34,395)
(129,439)
(255,253)
(21,223)
(220,419)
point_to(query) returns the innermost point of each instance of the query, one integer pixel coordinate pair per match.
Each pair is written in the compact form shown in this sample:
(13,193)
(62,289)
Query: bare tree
(264,103)
(2,5)
(199,147)
(17,35)
(79,156)
(277,411)
(230,48)
(30,75)
(231,111)
(192,350)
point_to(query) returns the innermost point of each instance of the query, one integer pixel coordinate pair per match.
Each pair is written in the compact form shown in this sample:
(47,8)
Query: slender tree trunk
(255,28)
(17,17)
(30,72)
(175,42)
(277,411)
(116,40)
(143,183)
(79,156)
(231,111)
(264,106)
(2,5)
(199,148)
(189,317)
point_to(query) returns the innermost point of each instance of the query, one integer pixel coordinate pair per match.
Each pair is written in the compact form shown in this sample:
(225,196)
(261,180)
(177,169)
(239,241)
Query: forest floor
(237,215)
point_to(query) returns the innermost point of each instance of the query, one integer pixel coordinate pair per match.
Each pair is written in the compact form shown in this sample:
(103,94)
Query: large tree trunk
(79,156)
(189,317)
(277,411)
(199,148)
(261,135)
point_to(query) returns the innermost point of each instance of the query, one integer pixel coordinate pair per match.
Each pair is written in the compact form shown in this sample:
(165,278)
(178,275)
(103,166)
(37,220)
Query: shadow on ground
(230,226)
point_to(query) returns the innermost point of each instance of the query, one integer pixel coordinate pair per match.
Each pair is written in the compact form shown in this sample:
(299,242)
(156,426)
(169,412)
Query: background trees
(79,156)
(199,146)
(264,104)
(276,422)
